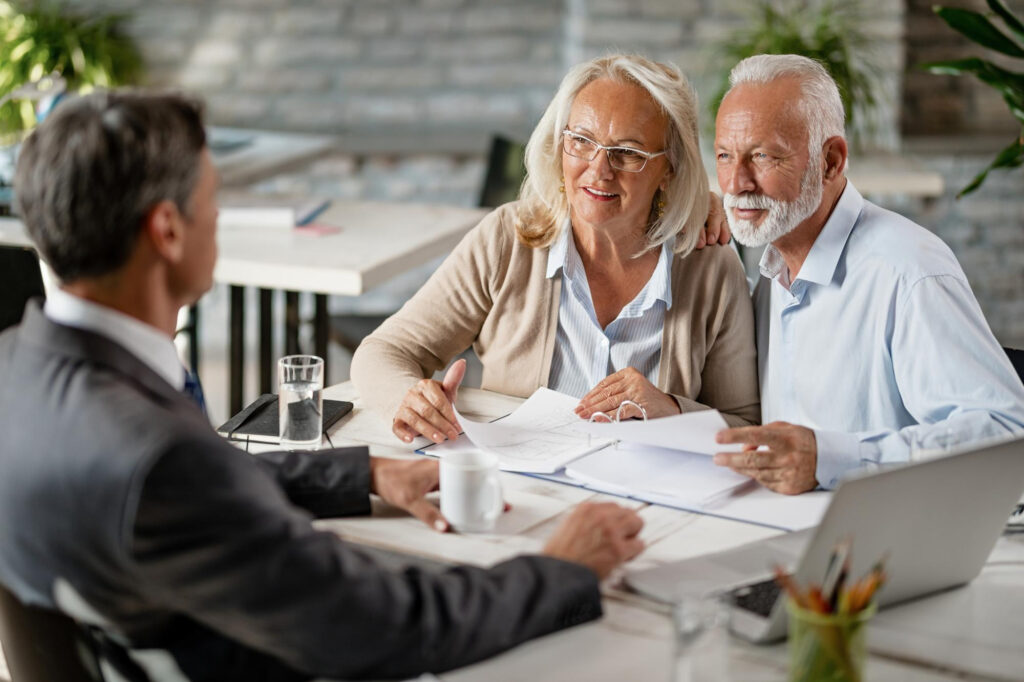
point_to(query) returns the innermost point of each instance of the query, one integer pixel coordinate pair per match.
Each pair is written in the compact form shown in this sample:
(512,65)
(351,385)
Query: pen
(840,582)
(835,567)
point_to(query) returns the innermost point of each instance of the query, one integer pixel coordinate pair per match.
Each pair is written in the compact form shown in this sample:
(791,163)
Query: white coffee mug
(471,497)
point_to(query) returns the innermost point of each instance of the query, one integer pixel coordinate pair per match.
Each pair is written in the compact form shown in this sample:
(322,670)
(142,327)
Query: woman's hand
(627,384)
(716,227)
(427,408)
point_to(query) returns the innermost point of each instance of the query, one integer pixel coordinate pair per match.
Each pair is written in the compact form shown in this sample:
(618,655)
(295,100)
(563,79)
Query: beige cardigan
(492,293)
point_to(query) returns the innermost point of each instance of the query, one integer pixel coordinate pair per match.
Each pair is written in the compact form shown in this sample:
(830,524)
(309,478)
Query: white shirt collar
(819,267)
(148,344)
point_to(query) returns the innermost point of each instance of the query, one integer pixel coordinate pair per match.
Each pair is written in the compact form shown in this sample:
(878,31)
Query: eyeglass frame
(608,149)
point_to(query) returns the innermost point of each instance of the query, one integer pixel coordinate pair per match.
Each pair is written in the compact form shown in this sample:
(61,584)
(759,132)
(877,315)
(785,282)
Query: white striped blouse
(584,353)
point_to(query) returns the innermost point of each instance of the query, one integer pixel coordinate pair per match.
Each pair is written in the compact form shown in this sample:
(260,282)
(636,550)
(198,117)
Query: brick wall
(484,65)
(336,65)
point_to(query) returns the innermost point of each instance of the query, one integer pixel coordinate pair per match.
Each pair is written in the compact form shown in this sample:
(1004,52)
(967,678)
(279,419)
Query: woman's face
(601,197)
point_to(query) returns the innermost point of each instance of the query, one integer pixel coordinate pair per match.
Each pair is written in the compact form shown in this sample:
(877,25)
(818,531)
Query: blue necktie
(194,390)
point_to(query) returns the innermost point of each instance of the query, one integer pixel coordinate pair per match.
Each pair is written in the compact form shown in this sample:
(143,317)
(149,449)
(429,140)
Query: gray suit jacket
(189,559)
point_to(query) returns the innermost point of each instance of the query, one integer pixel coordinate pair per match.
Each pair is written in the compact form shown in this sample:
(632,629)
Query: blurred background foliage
(826,31)
(41,39)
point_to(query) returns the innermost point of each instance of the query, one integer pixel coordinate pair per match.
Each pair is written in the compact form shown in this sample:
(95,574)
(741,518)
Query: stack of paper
(688,479)
(255,212)
(664,461)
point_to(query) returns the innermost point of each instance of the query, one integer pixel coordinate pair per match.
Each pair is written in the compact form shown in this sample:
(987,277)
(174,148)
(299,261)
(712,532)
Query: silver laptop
(937,520)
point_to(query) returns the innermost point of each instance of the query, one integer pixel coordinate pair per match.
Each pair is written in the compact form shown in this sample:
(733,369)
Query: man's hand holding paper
(780,456)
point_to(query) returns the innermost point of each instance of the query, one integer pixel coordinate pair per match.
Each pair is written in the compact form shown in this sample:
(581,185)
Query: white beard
(782,216)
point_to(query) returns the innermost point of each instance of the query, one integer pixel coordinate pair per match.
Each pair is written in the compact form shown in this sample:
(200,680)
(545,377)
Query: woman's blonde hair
(543,208)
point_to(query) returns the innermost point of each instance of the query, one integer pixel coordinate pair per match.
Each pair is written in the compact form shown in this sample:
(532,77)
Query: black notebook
(259,422)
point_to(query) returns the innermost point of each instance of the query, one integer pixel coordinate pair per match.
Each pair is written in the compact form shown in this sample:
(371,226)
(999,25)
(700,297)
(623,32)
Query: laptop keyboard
(758,598)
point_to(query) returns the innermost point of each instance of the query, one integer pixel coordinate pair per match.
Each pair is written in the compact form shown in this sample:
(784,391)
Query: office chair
(20,280)
(1016,359)
(506,169)
(43,645)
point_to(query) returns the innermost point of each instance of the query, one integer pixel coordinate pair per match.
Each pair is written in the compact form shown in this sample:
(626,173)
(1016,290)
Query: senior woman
(590,284)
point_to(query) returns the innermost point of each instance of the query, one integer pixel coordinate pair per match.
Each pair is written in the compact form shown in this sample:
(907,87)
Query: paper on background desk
(541,436)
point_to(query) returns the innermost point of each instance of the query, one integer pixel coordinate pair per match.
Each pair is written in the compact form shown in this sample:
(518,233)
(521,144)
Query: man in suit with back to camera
(867,329)
(186,557)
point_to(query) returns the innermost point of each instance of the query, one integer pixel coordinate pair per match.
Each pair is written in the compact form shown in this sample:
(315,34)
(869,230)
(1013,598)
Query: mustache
(749,200)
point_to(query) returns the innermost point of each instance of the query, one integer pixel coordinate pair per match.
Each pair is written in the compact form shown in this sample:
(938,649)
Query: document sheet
(541,436)
(664,461)
(689,478)
(692,432)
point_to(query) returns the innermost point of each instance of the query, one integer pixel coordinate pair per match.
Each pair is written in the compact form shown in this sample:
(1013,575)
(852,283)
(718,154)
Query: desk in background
(633,639)
(372,243)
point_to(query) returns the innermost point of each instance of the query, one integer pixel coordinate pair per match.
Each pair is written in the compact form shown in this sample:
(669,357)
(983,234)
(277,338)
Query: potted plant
(41,40)
(979,28)
(824,30)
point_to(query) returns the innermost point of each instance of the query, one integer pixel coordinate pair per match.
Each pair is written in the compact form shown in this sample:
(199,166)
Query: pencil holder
(827,647)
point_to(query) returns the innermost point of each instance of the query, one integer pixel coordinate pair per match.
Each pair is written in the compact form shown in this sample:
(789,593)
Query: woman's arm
(440,321)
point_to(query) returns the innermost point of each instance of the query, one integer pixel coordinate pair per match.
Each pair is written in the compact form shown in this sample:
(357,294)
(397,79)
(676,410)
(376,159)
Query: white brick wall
(485,65)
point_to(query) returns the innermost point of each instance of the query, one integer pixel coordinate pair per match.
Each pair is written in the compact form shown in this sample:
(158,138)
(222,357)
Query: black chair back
(20,280)
(41,645)
(506,169)
(1017,360)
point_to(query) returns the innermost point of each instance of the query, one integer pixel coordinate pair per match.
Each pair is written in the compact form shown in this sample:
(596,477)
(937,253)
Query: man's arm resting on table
(215,540)
(327,483)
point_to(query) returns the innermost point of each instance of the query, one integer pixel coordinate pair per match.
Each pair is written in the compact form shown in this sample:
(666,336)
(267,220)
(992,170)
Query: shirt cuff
(838,454)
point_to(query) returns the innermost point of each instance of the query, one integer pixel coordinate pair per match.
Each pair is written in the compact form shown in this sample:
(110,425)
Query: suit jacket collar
(85,346)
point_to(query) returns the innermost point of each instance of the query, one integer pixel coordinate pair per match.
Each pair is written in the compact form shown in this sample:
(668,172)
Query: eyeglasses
(620,158)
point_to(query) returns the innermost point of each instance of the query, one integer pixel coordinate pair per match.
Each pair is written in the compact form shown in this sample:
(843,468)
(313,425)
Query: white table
(373,242)
(633,640)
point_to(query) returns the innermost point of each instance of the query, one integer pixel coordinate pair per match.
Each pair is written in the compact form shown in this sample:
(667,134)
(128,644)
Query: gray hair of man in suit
(89,175)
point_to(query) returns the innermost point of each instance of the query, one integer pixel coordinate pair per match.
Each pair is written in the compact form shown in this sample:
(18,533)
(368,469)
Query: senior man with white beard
(868,333)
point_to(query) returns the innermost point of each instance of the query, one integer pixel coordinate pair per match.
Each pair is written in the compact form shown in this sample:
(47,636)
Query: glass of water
(700,624)
(300,383)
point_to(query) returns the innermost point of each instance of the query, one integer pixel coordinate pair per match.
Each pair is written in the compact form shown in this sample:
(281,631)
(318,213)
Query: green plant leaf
(1008,83)
(22,49)
(1015,25)
(823,30)
(979,29)
(1011,157)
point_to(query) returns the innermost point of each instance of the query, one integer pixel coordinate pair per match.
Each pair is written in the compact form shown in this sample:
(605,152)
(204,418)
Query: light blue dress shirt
(584,353)
(878,339)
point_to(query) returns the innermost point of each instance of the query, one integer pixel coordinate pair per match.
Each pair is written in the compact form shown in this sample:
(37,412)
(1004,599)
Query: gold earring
(660,209)
(561,187)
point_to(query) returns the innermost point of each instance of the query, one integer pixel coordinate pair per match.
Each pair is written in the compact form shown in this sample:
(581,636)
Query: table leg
(237,351)
(266,339)
(321,331)
(291,323)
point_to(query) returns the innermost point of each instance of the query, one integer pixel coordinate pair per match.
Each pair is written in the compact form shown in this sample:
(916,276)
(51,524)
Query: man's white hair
(821,104)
